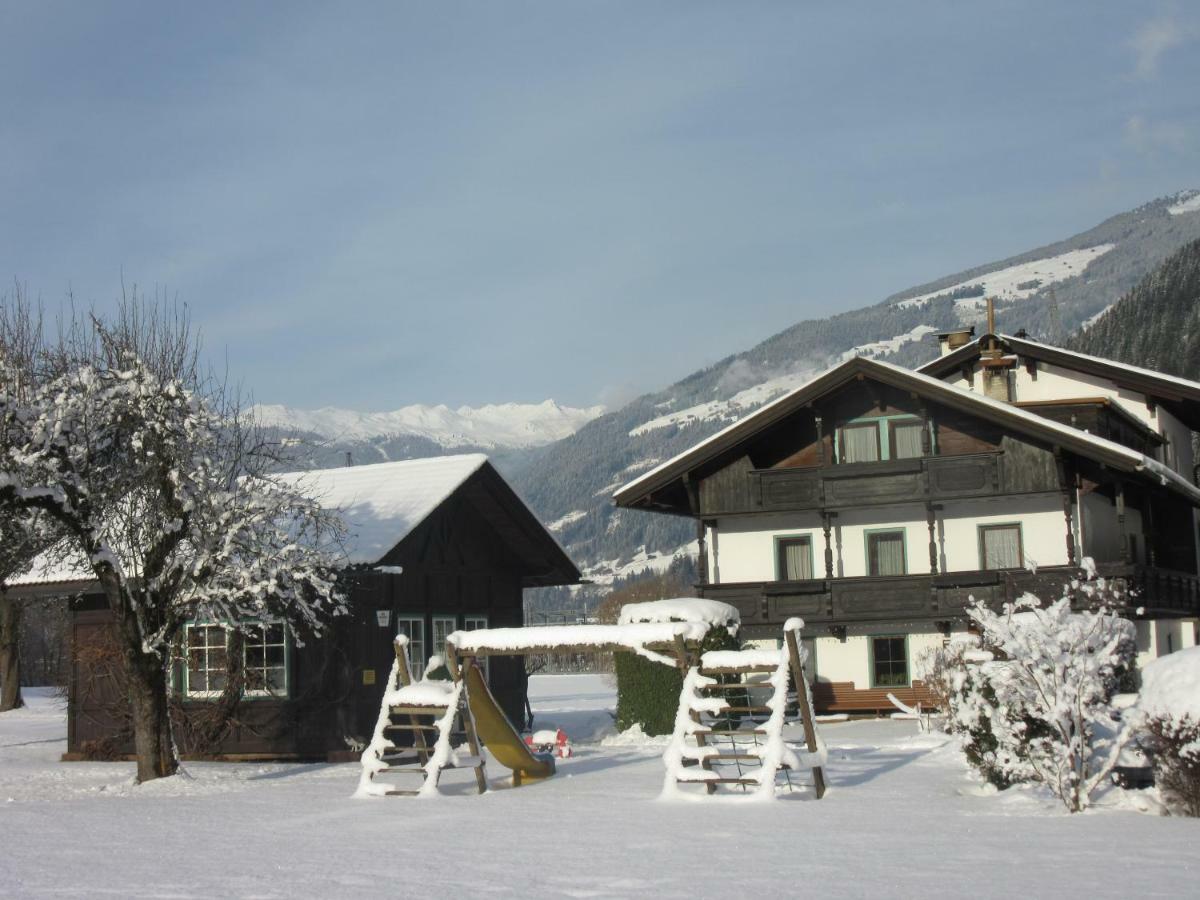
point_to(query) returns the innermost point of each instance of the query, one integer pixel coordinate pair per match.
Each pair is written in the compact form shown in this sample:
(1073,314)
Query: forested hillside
(1157,324)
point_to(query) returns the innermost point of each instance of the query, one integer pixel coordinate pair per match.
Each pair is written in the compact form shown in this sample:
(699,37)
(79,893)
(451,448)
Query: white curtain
(887,553)
(1002,547)
(860,443)
(797,561)
(906,440)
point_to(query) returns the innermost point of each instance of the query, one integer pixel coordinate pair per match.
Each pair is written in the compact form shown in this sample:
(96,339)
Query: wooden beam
(806,714)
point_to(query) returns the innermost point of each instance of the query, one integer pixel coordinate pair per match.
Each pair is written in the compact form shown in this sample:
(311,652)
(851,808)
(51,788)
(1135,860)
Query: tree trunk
(148,700)
(10,654)
(148,690)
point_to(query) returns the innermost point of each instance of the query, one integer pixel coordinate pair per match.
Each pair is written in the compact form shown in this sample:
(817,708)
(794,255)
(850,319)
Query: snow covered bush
(1035,702)
(1167,717)
(957,681)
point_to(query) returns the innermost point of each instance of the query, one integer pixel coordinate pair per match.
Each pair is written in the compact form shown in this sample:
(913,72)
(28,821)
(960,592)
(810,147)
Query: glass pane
(255,656)
(886,553)
(860,443)
(197,680)
(1002,547)
(906,440)
(276,680)
(275,634)
(216,681)
(891,669)
(797,560)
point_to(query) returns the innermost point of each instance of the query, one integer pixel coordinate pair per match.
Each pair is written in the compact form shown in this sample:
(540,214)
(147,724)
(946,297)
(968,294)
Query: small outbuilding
(435,545)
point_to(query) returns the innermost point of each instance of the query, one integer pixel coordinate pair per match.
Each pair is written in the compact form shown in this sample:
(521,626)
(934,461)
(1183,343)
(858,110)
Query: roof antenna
(349,459)
(991,327)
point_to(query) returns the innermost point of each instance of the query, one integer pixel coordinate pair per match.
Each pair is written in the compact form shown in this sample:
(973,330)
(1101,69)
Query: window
(413,628)
(1000,547)
(443,626)
(906,439)
(859,443)
(207,657)
(795,562)
(885,553)
(889,662)
(265,657)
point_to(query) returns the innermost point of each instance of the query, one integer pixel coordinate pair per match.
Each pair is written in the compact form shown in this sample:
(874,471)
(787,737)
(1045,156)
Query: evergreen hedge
(648,692)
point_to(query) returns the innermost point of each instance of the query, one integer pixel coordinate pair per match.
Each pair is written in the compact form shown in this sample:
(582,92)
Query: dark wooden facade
(470,559)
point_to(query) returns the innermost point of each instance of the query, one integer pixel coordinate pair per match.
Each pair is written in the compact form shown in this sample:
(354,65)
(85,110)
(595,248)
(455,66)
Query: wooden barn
(435,545)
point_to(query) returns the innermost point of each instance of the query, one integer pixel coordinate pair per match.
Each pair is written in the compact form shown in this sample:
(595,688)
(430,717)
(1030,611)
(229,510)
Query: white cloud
(1156,37)
(1150,137)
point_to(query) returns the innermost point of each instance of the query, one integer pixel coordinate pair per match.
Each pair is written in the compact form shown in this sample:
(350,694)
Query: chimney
(949,341)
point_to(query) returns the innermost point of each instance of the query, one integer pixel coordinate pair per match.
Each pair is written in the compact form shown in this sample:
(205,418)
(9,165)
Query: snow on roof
(1171,686)
(1019,342)
(935,386)
(638,638)
(381,504)
(680,609)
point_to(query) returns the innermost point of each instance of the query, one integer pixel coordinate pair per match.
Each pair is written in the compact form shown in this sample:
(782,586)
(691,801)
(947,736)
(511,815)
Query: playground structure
(710,746)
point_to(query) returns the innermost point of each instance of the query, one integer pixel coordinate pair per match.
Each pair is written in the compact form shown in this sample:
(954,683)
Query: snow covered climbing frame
(426,709)
(729,737)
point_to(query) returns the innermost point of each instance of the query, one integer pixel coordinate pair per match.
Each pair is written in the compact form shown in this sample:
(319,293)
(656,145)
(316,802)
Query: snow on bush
(1167,715)
(1034,703)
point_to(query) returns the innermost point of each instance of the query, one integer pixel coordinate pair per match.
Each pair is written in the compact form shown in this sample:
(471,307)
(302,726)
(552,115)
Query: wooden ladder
(449,724)
(726,753)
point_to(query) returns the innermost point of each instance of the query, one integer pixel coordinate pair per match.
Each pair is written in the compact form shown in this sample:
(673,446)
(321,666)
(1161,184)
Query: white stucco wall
(850,660)
(1159,637)
(1056,383)
(743,547)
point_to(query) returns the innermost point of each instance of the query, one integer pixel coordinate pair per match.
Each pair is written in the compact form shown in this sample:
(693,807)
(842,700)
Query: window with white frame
(264,658)
(264,651)
(207,654)
(413,628)
(443,627)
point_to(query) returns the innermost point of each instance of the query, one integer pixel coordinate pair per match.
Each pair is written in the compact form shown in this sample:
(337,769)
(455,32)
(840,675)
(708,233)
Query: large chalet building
(875,501)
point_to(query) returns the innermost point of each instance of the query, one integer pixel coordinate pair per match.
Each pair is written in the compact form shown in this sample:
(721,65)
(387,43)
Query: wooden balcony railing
(1147,592)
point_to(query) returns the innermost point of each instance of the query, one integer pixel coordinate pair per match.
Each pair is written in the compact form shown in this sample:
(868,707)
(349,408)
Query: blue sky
(369,205)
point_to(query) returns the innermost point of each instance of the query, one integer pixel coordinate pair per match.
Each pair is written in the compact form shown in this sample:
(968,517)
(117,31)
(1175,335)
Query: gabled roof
(383,502)
(1079,442)
(1144,381)
(381,505)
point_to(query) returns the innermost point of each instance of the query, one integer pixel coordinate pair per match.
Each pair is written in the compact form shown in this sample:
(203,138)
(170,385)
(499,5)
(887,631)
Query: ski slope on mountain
(1017,282)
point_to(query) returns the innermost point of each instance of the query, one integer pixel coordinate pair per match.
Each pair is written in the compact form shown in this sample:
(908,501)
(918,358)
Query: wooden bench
(844,697)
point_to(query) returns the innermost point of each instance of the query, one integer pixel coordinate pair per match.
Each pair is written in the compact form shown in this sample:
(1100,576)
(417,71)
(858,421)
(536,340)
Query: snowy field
(902,819)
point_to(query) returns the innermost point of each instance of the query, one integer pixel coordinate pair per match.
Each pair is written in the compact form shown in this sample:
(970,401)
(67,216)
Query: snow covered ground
(901,819)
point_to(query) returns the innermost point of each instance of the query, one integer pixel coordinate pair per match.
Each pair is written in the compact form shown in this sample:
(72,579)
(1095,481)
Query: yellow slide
(499,736)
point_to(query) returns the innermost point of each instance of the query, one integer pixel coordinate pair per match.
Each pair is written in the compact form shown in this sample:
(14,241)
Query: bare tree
(23,532)
(162,490)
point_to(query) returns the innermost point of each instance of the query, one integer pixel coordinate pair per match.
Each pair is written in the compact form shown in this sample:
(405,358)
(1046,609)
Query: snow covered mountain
(491,427)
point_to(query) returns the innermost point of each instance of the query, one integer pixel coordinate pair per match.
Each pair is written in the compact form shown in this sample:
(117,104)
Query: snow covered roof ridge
(933,387)
(382,503)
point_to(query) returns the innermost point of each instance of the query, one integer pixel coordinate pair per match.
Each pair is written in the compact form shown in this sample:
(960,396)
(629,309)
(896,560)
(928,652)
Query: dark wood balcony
(871,484)
(1150,592)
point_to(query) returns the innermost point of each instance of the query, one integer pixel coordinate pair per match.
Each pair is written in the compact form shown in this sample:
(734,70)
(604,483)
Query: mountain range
(566,462)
